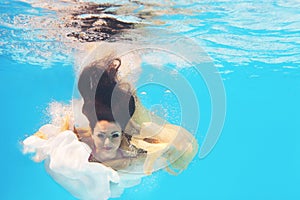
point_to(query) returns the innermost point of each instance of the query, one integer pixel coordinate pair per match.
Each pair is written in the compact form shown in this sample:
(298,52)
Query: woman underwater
(122,143)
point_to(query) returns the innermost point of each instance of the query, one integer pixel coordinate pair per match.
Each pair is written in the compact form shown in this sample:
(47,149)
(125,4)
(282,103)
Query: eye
(101,135)
(115,134)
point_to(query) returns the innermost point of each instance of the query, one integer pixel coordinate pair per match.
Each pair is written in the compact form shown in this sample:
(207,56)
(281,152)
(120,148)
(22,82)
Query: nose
(106,142)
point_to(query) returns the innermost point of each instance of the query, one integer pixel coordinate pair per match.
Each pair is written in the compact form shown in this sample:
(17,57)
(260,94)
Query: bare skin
(107,137)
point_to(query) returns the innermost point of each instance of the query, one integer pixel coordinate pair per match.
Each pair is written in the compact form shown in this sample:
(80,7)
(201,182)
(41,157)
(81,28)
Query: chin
(108,153)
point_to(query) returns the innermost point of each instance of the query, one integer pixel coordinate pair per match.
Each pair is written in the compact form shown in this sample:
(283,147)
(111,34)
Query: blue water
(255,45)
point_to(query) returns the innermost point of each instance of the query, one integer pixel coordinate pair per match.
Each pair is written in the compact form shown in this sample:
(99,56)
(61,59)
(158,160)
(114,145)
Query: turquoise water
(256,47)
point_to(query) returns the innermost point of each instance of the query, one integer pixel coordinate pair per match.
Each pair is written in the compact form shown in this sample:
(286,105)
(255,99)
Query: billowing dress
(168,147)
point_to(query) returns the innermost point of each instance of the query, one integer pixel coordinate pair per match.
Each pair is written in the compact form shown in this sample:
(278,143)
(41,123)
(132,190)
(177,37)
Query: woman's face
(107,138)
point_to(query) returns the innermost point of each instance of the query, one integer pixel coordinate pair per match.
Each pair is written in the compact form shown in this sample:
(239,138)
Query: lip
(107,148)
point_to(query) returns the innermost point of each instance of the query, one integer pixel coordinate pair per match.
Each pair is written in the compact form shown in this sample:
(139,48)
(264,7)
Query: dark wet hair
(105,98)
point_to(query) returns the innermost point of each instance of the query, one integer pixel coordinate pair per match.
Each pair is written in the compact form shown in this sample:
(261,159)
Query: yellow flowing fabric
(168,146)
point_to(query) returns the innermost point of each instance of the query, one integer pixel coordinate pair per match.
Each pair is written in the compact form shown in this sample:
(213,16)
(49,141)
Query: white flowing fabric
(66,160)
